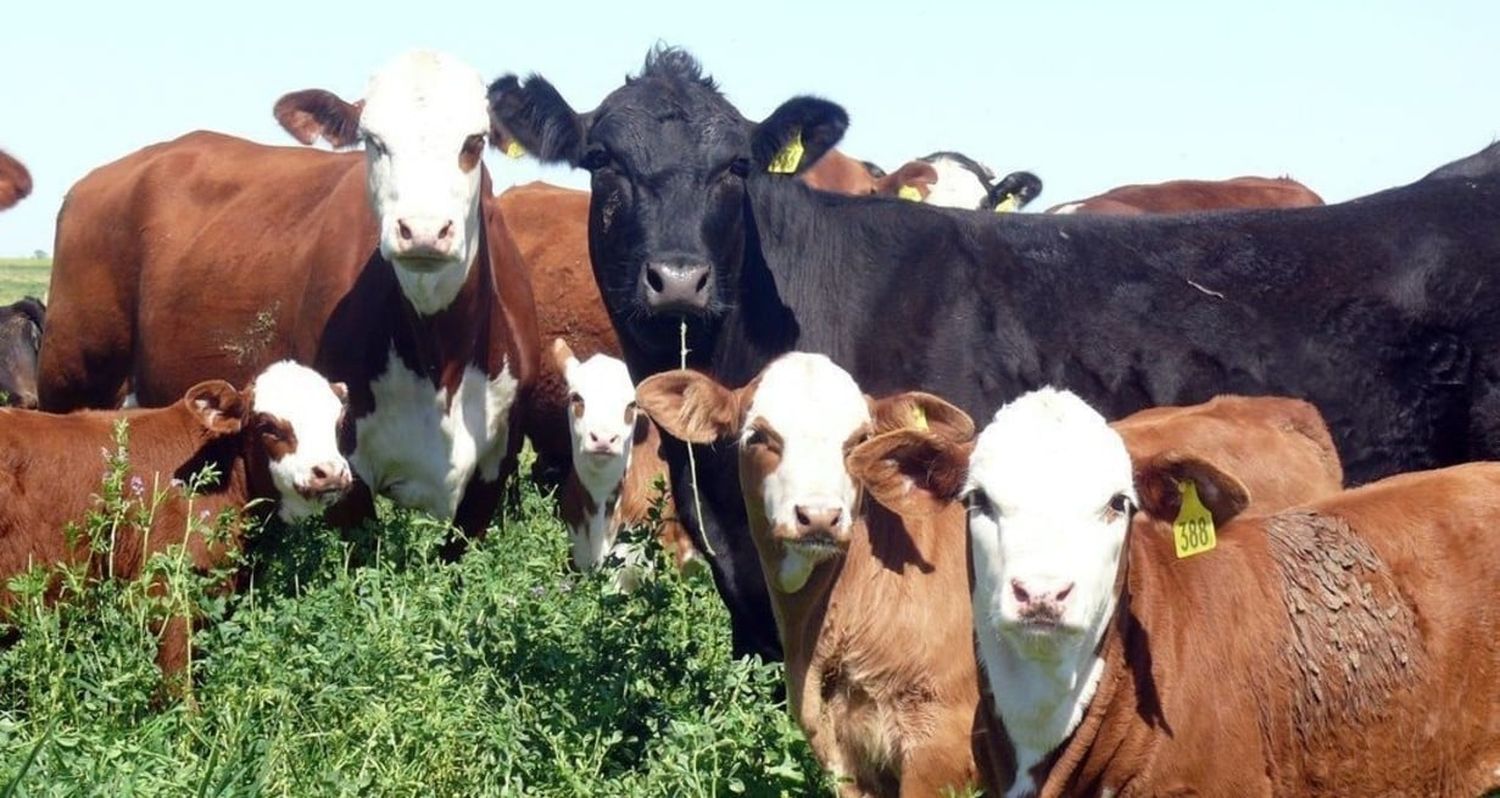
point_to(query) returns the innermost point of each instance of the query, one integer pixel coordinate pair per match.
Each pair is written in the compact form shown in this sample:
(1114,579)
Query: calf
(1333,649)
(15,181)
(872,608)
(1179,196)
(611,485)
(962,182)
(274,440)
(20,339)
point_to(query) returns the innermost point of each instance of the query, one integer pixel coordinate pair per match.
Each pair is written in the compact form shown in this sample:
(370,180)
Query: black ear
(1022,186)
(817,124)
(536,116)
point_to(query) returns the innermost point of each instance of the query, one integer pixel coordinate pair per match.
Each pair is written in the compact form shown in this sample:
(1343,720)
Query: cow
(872,608)
(21,325)
(616,465)
(962,182)
(1181,196)
(377,267)
(274,443)
(15,181)
(1144,634)
(1481,164)
(1378,311)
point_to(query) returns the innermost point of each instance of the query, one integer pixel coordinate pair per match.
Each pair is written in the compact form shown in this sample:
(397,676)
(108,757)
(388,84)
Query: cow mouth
(816,546)
(424,263)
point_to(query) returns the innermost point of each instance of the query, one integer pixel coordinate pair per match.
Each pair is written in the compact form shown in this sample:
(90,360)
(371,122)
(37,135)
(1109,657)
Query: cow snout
(603,444)
(678,287)
(1040,604)
(329,479)
(424,237)
(818,521)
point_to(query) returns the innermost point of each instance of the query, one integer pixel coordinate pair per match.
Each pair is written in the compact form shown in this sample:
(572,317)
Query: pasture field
(360,664)
(23,277)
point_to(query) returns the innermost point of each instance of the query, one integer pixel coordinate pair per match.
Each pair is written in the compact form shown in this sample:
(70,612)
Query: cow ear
(15,181)
(1157,483)
(1014,191)
(217,406)
(341,390)
(690,406)
(923,412)
(914,180)
(311,114)
(911,472)
(562,355)
(533,116)
(797,134)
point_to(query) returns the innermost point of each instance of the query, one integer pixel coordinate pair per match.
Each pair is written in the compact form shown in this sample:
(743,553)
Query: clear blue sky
(1349,97)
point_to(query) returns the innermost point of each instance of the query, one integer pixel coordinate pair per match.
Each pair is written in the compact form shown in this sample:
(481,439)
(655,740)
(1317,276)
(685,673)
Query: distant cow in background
(15,181)
(962,182)
(21,326)
(1180,196)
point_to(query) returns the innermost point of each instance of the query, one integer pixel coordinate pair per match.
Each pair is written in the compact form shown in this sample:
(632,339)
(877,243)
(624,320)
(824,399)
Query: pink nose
(424,236)
(328,478)
(1035,597)
(598,441)
(817,520)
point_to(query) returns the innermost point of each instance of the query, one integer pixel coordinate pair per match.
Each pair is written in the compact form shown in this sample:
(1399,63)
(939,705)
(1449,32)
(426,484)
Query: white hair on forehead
(286,387)
(601,375)
(811,389)
(1045,434)
(424,79)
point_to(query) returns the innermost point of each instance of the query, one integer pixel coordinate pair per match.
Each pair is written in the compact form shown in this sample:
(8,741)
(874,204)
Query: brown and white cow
(1180,196)
(21,325)
(210,256)
(15,181)
(616,465)
(872,608)
(1336,648)
(275,440)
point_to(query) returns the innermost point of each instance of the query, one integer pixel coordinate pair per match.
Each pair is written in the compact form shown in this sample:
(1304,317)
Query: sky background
(1348,97)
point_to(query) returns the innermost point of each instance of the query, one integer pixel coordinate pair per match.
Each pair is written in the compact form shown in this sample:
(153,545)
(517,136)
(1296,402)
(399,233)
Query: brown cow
(1333,649)
(15,181)
(275,440)
(1180,196)
(872,608)
(210,256)
(20,338)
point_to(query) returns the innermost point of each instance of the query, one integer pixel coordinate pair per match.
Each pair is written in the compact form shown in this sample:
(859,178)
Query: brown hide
(1178,196)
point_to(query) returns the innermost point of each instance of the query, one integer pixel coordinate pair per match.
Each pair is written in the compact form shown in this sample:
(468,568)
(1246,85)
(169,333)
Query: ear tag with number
(514,149)
(919,418)
(790,156)
(1008,205)
(909,193)
(1193,531)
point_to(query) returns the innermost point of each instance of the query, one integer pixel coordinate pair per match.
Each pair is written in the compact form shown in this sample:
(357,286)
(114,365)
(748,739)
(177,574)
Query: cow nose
(817,520)
(424,236)
(678,286)
(1035,595)
(329,477)
(599,440)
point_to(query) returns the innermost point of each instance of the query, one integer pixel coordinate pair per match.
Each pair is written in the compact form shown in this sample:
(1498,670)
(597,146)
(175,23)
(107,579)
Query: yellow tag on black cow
(909,193)
(1010,204)
(1193,531)
(513,149)
(790,156)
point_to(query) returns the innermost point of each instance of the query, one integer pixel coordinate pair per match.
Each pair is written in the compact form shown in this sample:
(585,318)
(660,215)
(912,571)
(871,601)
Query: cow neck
(442,346)
(589,504)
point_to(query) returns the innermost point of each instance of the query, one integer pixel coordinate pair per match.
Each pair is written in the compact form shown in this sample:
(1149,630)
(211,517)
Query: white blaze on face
(420,114)
(304,401)
(815,407)
(956,186)
(1047,481)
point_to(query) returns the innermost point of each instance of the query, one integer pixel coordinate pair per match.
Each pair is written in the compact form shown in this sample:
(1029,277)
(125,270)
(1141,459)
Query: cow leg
(475,512)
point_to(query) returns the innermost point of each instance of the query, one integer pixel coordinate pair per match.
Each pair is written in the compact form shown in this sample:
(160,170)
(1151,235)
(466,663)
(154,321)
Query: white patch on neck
(594,536)
(1071,207)
(302,398)
(420,451)
(956,186)
(431,292)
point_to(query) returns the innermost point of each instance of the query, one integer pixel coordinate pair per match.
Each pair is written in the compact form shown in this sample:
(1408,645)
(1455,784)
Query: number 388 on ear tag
(1193,531)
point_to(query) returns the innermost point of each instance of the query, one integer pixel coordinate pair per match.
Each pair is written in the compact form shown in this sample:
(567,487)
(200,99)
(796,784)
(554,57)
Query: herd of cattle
(1185,600)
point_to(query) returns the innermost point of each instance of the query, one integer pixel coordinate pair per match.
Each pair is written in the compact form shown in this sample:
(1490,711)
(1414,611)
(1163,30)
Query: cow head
(669,157)
(423,125)
(20,341)
(602,415)
(15,181)
(800,493)
(290,416)
(962,182)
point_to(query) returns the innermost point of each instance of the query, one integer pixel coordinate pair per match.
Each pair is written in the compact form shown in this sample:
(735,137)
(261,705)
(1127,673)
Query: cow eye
(594,158)
(759,437)
(474,142)
(739,167)
(1119,504)
(374,144)
(979,502)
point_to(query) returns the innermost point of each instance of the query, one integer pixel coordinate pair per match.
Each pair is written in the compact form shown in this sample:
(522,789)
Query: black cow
(20,339)
(1482,163)
(1384,311)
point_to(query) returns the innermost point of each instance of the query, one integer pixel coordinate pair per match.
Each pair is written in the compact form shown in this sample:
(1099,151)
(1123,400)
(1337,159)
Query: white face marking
(1071,207)
(419,112)
(420,451)
(602,443)
(956,186)
(303,399)
(815,407)
(1042,478)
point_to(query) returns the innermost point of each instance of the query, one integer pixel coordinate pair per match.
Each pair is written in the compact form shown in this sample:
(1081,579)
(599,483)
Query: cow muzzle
(680,288)
(326,482)
(425,239)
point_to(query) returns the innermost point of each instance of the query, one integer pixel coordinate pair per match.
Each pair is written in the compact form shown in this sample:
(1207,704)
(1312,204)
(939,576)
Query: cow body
(432,327)
(21,325)
(1180,196)
(1480,164)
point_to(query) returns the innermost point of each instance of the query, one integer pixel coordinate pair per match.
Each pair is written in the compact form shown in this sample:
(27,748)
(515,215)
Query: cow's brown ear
(916,177)
(1157,483)
(311,114)
(561,354)
(911,472)
(218,406)
(923,412)
(690,406)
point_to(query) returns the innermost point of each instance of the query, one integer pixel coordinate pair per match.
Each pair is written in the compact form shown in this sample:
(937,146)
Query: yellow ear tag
(910,193)
(786,161)
(514,149)
(1010,204)
(1193,531)
(919,418)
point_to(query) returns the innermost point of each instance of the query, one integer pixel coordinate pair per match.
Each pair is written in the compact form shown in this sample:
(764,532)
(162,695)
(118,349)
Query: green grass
(359,664)
(23,277)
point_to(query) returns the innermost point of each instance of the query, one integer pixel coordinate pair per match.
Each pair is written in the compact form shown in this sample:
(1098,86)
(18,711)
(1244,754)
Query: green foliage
(23,277)
(360,664)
